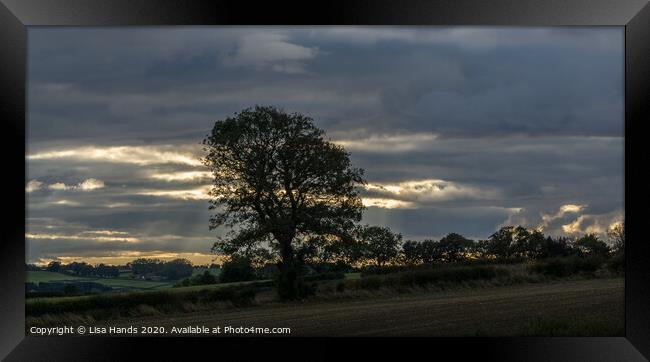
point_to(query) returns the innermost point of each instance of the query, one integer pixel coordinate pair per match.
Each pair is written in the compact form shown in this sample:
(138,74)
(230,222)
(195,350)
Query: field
(578,307)
(123,282)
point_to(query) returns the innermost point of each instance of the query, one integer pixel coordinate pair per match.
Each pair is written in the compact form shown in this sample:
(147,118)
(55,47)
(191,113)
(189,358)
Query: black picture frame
(16,15)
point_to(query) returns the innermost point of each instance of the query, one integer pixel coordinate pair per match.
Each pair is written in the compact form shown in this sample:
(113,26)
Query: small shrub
(567,266)
(617,263)
(237,270)
(104,305)
(424,277)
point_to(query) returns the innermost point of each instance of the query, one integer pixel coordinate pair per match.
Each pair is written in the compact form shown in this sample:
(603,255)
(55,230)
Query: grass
(456,275)
(213,271)
(351,276)
(45,276)
(111,306)
(122,282)
(592,307)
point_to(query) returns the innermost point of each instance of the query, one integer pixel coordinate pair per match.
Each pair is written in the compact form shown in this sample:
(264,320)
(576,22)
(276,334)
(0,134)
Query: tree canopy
(278,181)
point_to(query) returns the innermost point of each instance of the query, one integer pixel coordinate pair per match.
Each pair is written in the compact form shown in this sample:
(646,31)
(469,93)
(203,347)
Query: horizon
(458,129)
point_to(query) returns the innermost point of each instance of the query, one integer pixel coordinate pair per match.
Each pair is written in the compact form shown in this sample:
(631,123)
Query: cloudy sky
(459,129)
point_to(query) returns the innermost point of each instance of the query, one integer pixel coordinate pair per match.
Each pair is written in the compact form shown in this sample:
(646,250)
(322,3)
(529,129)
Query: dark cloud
(532,115)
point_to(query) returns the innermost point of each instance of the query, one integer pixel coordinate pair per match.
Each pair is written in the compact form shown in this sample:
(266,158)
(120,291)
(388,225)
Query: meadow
(588,307)
(454,300)
(123,282)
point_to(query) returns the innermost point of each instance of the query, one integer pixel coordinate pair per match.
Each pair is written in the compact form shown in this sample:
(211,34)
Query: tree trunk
(288,281)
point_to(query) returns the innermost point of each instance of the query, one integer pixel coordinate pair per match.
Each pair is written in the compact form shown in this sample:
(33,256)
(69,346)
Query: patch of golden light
(595,229)
(615,224)
(182,176)
(200,193)
(66,202)
(91,184)
(33,185)
(139,155)
(573,227)
(564,209)
(386,203)
(58,186)
(106,232)
(40,236)
(118,204)
(571,208)
(431,190)
(388,143)
(121,258)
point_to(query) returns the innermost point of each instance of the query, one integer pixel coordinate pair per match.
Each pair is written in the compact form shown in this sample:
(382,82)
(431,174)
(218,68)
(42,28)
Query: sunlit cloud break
(430,191)
(33,185)
(199,193)
(139,155)
(386,203)
(82,236)
(182,176)
(388,143)
(564,210)
(85,185)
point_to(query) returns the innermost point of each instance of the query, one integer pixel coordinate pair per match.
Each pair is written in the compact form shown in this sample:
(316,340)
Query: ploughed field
(574,307)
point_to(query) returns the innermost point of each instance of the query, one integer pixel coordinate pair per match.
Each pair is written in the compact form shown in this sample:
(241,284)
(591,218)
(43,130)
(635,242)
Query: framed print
(232,178)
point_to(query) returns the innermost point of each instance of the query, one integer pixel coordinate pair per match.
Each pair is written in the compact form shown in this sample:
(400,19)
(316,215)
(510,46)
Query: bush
(430,276)
(617,263)
(567,266)
(205,278)
(238,295)
(237,270)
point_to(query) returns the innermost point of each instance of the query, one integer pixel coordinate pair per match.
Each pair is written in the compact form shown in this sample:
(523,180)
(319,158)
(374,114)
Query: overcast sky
(459,129)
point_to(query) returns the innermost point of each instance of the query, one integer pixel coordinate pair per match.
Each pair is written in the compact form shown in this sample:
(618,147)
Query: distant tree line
(173,269)
(84,269)
(378,246)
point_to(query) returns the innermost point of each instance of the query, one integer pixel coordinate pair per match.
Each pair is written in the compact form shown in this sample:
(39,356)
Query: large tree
(278,182)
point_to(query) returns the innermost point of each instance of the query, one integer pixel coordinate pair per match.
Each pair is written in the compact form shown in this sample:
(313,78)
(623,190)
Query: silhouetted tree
(104,270)
(81,269)
(237,269)
(430,251)
(590,244)
(144,266)
(556,247)
(276,178)
(616,236)
(500,243)
(453,247)
(411,252)
(380,243)
(54,266)
(177,269)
